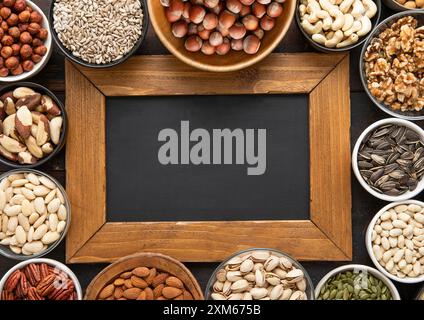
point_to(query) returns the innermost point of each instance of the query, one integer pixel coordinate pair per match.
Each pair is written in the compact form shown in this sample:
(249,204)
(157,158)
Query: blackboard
(140,188)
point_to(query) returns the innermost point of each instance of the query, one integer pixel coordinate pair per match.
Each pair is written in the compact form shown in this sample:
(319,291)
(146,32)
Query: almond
(11,145)
(149,293)
(161,298)
(118,293)
(128,284)
(138,282)
(43,130)
(142,296)
(160,278)
(23,122)
(151,276)
(157,292)
(106,291)
(171,292)
(141,272)
(187,295)
(31,101)
(119,282)
(50,106)
(132,293)
(174,282)
(180,297)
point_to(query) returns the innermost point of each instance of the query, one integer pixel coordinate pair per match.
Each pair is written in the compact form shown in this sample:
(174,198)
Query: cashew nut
(358,9)
(349,41)
(338,21)
(302,10)
(319,38)
(348,22)
(371,8)
(312,28)
(355,27)
(312,8)
(345,5)
(331,43)
(365,26)
(326,19)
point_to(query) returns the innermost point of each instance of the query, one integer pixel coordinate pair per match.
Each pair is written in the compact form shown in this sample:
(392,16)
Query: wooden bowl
(234,60)
(150,260)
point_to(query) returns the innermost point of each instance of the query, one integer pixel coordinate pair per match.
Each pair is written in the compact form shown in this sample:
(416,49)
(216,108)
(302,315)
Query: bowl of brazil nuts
(144,276)
(356,282)
(33,125)
(98,33)
(34,214)
(388,159)
(40,279)
(260,274)
(395,241)
(340,26)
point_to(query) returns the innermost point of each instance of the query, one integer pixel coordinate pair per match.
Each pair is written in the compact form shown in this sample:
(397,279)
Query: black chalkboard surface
(140,188)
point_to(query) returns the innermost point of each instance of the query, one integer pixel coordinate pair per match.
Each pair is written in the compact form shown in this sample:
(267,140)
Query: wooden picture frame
(326,236)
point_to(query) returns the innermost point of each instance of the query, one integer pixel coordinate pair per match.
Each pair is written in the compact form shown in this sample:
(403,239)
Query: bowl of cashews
(337,25)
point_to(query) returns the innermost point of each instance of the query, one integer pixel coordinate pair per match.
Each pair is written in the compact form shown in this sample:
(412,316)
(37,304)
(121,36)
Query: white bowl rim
(40,65)
(407,195)
(349,267)
(368,243)
(51,262)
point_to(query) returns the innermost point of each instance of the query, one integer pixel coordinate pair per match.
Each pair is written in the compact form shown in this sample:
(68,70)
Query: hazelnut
(6,52)
(174,11)
(4,72)
(37,42)
(237,44)
(211,3)
(24,16)
(14,32)
(36,58)
(267,23)
(13,20)
(259,33)
(223,31)
(203,33)
(186,11)
(33,28)
(1,62)
(7,40)
(192,29)
(28,65)
(259,10)
(274,10)
(4,26)
(264,1)
(26,51)
(207,48)
(9,3)
(223,48)
(237,31)
(28,8)
(25,37)
(35,17)
(164,3)
(216,38)
(5,12)
(17,71)
(226,19)
(179,29)
(41,50)
(16,47)
(247,2)
(234,6)
(218,9)
(193,43)
(245,10)
(197,14)
(11,63)
(1,33)
(251,44)
(43,34)
(20,5)
(23,27)
(210,21)
(250,22)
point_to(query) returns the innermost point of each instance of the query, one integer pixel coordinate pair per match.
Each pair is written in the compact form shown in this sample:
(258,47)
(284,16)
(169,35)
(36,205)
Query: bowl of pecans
(392,65)
(40,279)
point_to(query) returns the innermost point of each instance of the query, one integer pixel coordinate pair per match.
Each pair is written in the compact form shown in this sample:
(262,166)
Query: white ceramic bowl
(50,262)
(405,196)
(368,243)
(359,267)
(48,43)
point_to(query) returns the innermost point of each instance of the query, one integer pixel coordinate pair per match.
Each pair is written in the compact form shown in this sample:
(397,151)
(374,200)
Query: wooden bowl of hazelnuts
(221,35)
(25,41)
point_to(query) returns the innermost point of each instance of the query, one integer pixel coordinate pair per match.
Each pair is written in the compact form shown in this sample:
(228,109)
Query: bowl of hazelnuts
(25,41)
(221,35)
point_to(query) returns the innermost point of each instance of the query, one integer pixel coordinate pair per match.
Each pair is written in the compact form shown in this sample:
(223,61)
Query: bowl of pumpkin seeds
(356,282)
(388,159)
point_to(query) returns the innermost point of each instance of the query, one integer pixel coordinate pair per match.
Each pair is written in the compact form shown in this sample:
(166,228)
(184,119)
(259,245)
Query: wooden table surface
(363,113)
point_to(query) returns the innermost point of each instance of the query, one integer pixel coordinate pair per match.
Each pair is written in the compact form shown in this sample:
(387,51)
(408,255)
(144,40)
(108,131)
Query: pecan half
(62,294)
(47,285)
(32,273)
(7,296)
(12,281)
(33,294)
(22,287)
(44,270)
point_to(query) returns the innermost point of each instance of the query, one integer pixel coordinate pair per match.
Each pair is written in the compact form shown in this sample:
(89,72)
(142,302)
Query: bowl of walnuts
(221,35)
(25,40)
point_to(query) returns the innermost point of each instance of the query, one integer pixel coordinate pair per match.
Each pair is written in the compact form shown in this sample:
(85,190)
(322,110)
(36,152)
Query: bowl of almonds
(33,125)
(260,274)
(40,279)
(395,241)
(34,214)
(144,276)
